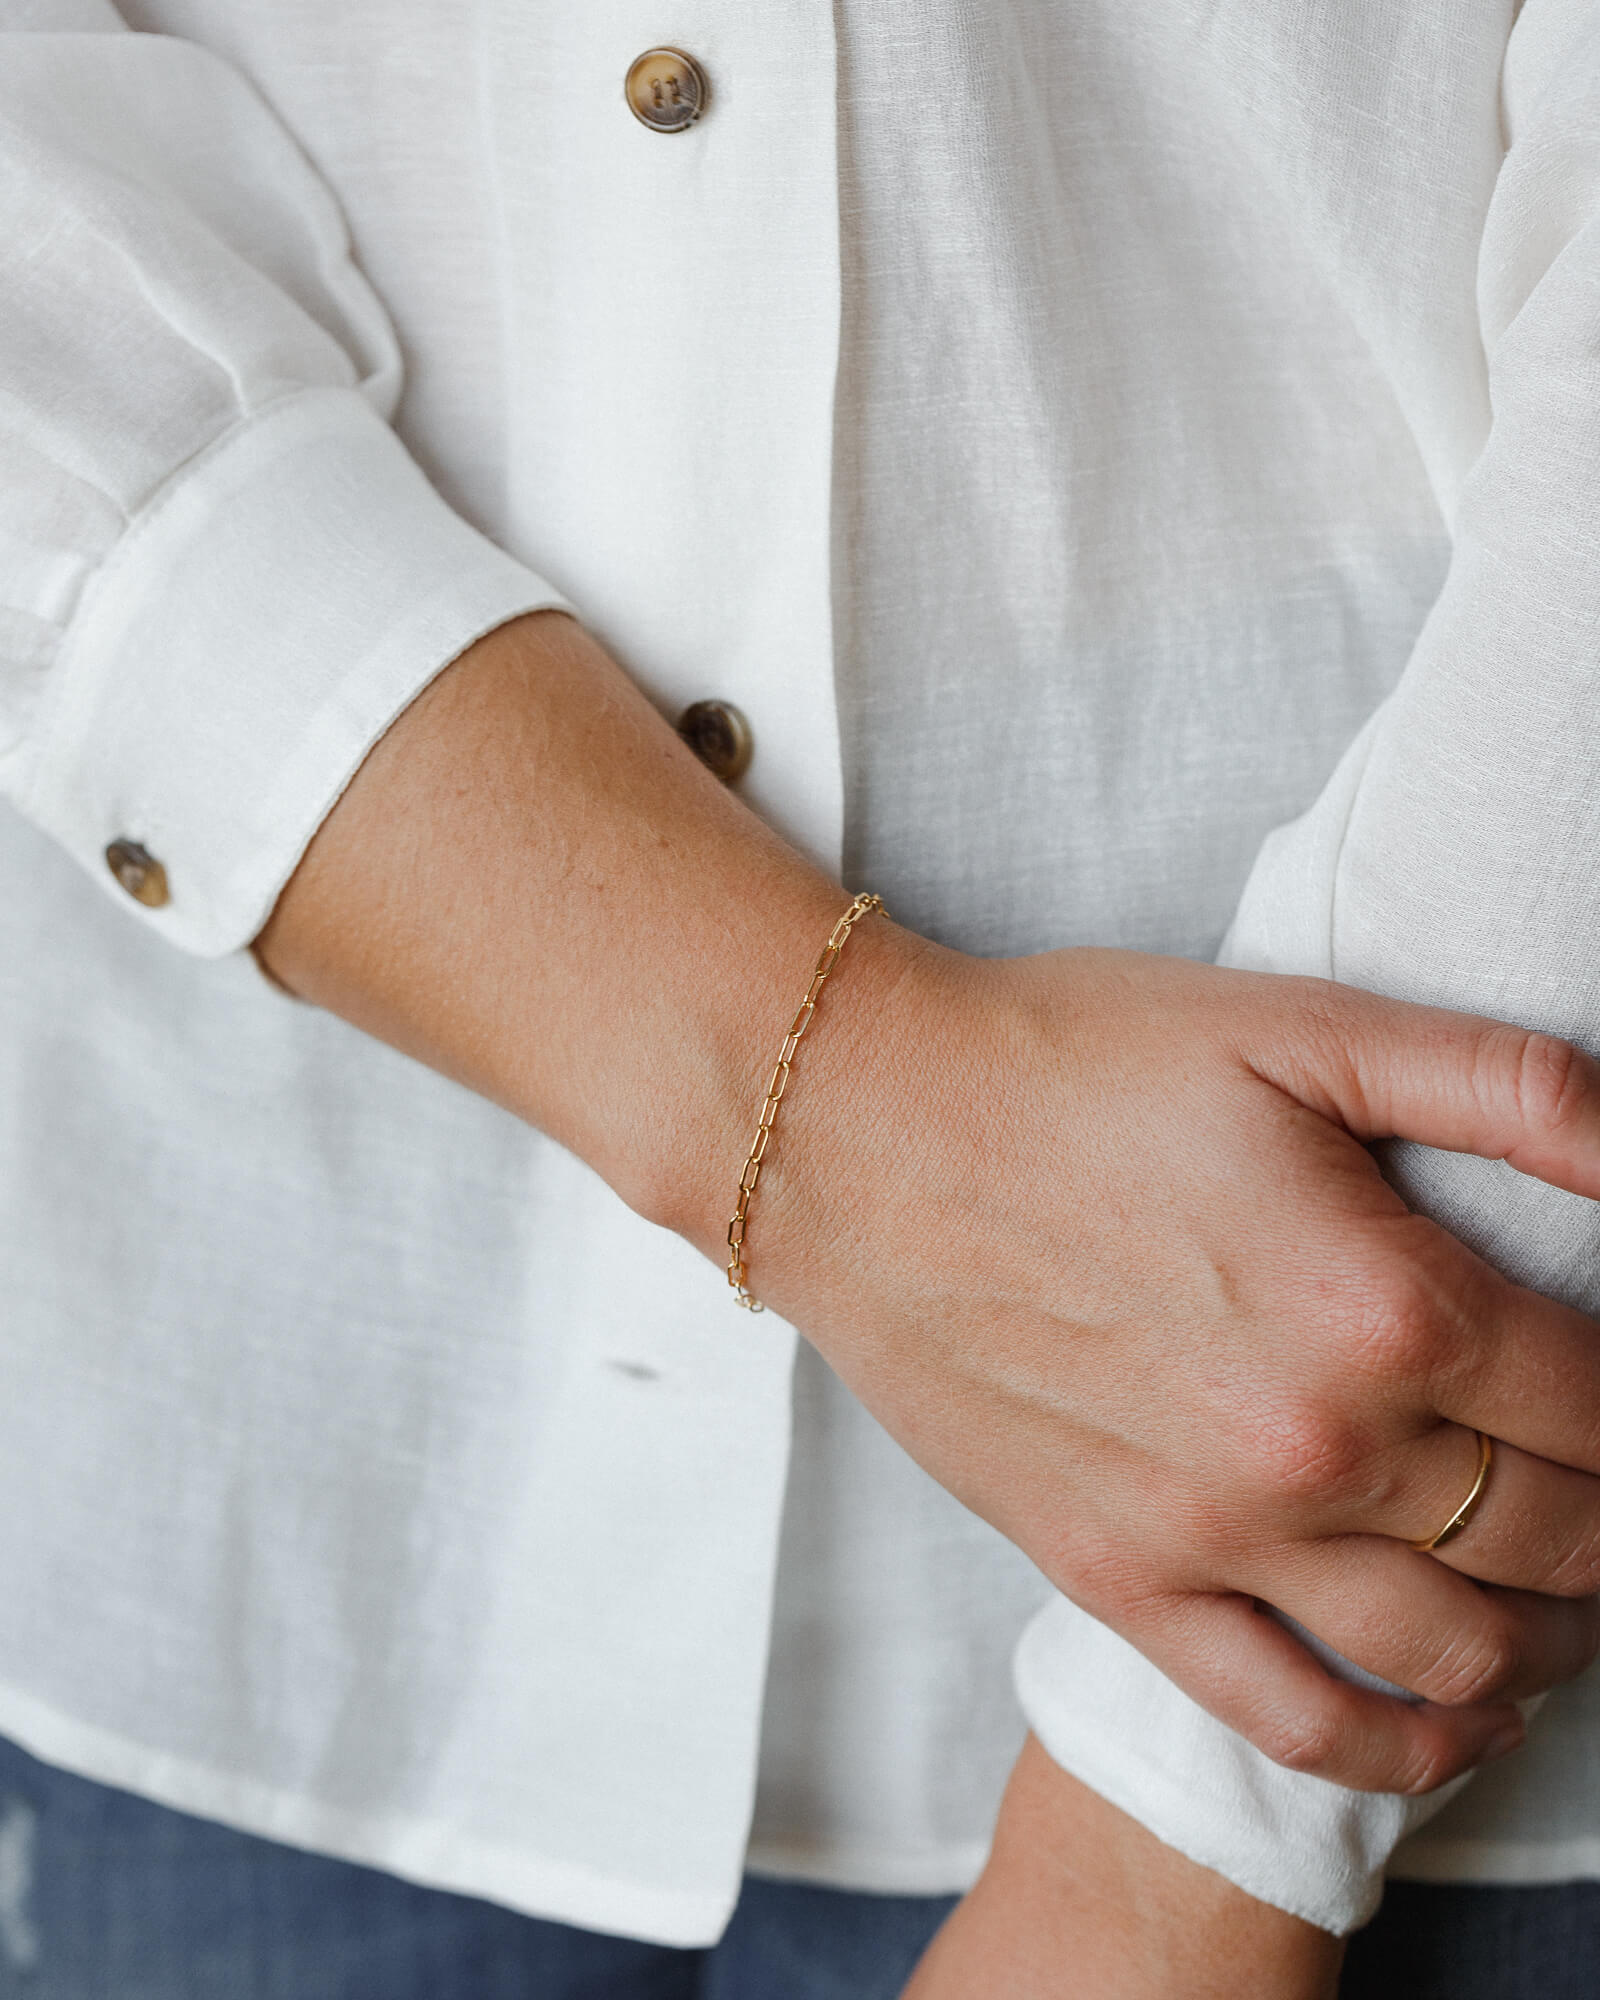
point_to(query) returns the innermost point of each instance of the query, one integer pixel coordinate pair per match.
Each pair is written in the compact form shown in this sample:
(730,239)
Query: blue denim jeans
(1469,1942)
(106,1897)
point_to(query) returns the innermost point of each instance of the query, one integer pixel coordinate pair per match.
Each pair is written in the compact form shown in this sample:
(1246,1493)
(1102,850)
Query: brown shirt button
(139,872)
(719,736)
(666,90)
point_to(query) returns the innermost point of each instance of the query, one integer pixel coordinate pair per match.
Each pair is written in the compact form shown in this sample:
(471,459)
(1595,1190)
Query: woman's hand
(1096,1236)
(1079,1902)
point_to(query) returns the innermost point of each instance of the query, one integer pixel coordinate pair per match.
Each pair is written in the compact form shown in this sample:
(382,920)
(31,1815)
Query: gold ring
(1464,1513)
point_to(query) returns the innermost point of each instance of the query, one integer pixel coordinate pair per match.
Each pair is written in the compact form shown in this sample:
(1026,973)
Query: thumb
(1385,1069)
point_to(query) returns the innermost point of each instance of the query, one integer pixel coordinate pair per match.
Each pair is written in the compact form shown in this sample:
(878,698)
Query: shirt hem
(427,1852)
(1506,1862)
(938,1871)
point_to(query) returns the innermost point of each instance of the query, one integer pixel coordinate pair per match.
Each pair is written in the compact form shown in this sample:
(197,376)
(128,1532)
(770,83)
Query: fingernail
(1504,1741)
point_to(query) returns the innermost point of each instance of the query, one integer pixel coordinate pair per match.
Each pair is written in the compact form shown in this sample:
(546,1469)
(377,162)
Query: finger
(1536,1526)
(1412,1620)
(1521,1367)
(1389,1070)
(1472,1346)
(1235,1659)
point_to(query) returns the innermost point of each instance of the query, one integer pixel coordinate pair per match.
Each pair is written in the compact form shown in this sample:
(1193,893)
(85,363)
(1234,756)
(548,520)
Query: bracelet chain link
(738,1274)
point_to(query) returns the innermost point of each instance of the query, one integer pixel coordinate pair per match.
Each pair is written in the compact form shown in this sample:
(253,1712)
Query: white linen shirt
(335,1499)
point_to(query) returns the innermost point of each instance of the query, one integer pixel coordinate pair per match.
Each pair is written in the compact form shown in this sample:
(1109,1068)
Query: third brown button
(719,736)
(666,90)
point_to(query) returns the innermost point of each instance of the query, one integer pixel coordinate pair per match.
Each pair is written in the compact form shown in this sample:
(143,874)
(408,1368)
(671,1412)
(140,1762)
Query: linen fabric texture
(1062,489)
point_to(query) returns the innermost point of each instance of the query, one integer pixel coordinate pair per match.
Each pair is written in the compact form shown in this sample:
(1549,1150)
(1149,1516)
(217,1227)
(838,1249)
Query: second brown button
(719,736)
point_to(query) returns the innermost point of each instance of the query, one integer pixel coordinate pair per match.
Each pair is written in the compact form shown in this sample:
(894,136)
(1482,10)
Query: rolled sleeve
(261,622)
(1113,1720)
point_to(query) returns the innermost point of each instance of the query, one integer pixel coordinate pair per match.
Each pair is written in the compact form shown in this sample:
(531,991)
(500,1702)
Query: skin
(1079,1900)
(1094,1234)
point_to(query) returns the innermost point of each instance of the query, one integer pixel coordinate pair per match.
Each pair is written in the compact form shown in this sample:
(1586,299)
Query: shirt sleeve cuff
(1108,1716)
(256,629)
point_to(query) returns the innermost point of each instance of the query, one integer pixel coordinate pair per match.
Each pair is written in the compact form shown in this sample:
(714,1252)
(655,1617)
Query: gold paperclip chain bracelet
(738,1275)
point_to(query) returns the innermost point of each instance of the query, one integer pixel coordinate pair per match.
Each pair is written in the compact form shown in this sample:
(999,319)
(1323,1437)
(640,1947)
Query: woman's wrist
(1082,1902)
(849,1101)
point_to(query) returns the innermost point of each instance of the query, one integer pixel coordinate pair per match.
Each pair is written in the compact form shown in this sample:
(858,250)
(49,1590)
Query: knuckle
(1552,1081)
(1306,1455)
(1400,1329)
(1307,1740)
(1481,1665)
(1106,1576)
(1426,1767)
(1327,1023)
(1575,1571)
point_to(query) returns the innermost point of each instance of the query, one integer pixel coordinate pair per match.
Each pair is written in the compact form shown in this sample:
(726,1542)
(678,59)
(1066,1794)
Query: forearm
(533,886)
